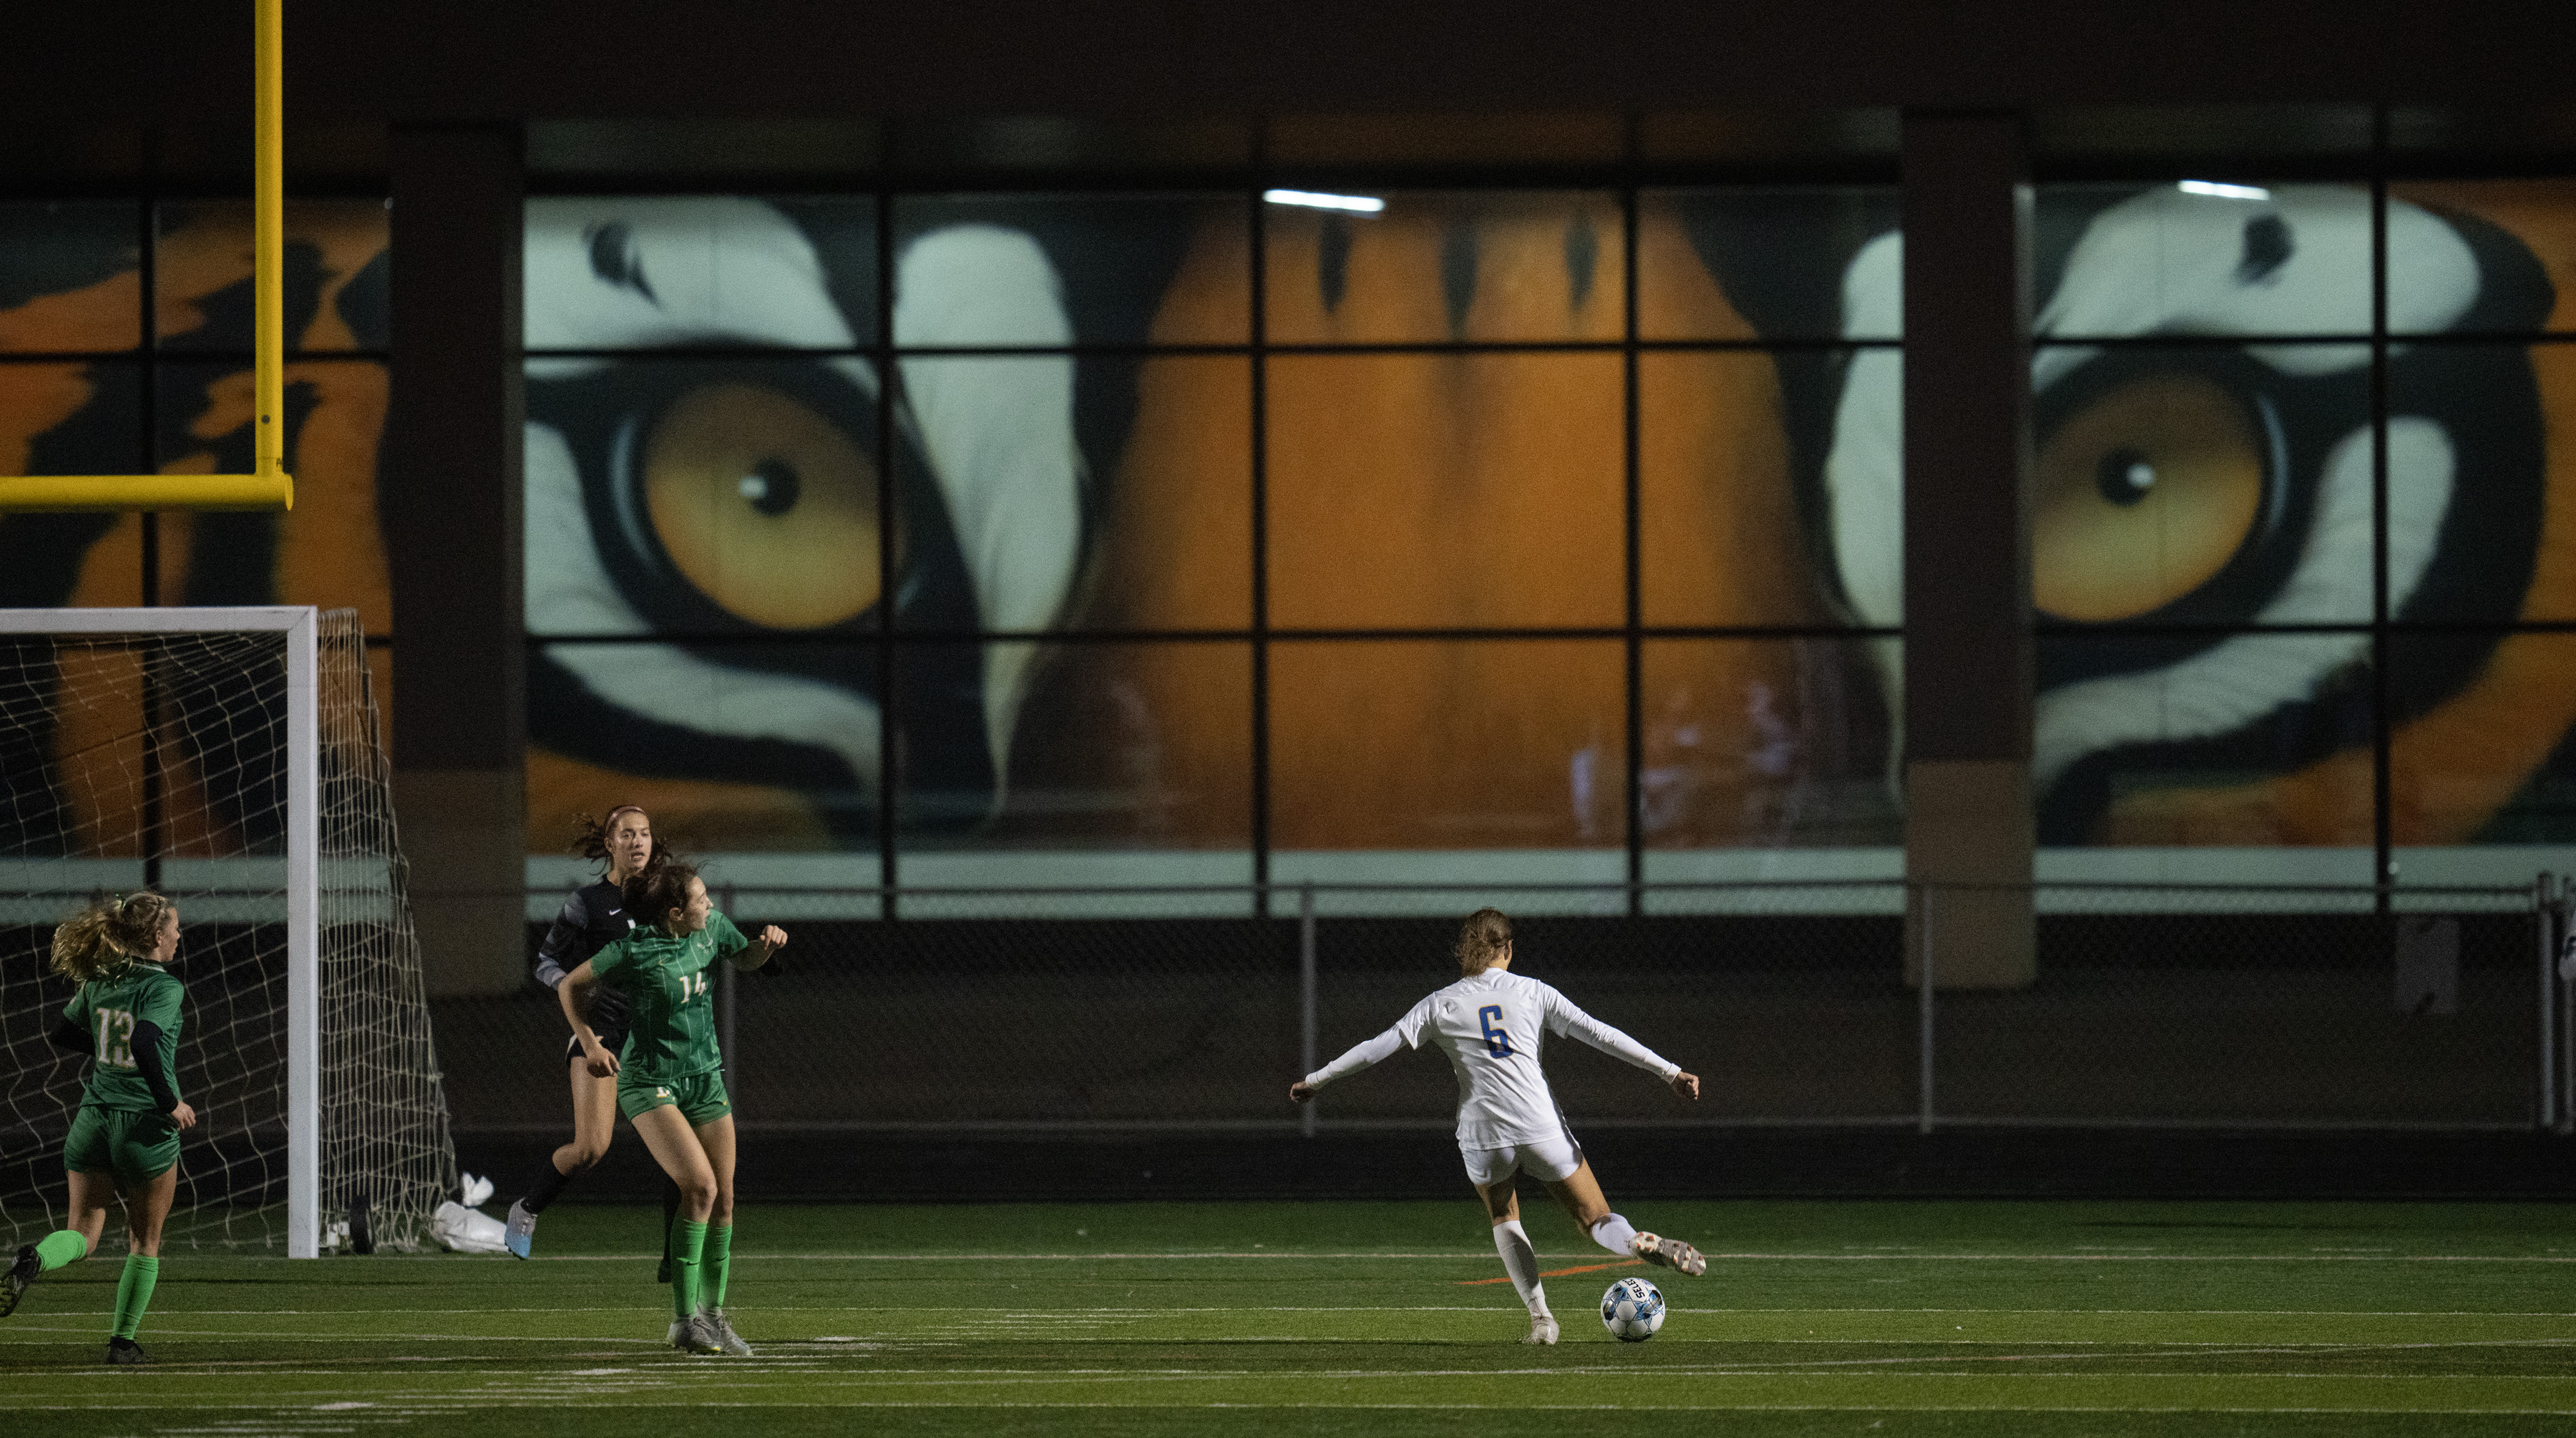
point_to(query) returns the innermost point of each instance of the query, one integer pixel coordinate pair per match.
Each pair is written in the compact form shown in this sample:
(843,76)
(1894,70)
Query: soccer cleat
(125,1353)
(694,1334)
(1542,1330)
(730,1341)
(1671,1253)
(520,1233)
(22,1271)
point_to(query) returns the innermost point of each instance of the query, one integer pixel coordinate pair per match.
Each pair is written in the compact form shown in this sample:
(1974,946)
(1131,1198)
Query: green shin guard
(688,1246)
(62,1246)
(719,1260)
(134,1292)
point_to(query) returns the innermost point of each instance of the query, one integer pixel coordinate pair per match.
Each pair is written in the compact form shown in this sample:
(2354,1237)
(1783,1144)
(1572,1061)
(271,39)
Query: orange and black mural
(1444,395)
(125,335)
(1139,458)
(113,384)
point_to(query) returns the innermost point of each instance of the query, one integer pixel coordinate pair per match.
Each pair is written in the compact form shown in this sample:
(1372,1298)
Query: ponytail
(1481,940)
(108,934)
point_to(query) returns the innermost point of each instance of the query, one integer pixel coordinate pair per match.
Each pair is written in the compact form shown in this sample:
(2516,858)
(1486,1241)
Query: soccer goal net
(231,759)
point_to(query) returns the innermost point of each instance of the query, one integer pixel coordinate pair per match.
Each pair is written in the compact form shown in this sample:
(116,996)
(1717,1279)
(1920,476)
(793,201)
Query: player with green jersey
(124,1139)
(670,1080)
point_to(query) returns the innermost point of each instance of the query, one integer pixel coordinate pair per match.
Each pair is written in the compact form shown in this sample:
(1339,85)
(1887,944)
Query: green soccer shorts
(135,1146)
(700,1098)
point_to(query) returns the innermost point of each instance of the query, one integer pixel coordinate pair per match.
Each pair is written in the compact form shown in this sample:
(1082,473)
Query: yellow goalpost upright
(268,486)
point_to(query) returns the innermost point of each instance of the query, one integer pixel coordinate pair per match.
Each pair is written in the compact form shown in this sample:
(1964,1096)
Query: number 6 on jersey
(1498,1040)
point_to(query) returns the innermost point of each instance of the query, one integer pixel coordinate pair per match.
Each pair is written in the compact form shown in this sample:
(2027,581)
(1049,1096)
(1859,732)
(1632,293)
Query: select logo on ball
(1633,1310)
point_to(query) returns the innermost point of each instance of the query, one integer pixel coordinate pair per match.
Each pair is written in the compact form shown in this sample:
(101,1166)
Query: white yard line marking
(1713,1256)
(1987,1315)
(220,1334)
(702,1377)
(1502,1305)
(1495,1408)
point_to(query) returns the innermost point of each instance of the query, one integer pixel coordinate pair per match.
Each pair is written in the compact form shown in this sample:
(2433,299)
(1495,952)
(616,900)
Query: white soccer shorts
(1550,1160)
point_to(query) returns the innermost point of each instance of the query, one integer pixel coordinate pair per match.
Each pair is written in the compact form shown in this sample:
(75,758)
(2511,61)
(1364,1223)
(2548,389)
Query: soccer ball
(1632,1310)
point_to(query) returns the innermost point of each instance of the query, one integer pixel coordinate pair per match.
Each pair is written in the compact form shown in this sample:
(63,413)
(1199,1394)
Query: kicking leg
(1580,1192)
(90,1194)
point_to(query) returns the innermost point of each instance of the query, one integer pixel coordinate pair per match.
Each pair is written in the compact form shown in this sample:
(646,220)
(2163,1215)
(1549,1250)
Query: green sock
(688,1242)
(134,1292)
(719,1259)
(63,1245)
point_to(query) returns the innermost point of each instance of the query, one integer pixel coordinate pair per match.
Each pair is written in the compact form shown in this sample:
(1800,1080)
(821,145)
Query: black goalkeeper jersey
(592,918)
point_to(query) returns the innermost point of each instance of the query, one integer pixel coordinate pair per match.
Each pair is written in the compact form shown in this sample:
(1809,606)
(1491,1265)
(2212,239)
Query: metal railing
(1065,1009)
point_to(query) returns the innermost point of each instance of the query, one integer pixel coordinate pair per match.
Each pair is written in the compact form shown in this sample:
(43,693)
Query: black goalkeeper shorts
(613,1040)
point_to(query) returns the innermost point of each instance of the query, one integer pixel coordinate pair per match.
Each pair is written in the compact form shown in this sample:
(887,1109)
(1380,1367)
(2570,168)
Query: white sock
(1615,1234)
(1521,1262)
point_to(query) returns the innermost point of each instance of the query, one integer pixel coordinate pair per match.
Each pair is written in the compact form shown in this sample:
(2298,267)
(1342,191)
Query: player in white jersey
(1491,1024)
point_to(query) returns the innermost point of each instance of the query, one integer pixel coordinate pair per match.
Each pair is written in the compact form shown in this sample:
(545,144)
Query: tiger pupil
(2124,476)
(771,487)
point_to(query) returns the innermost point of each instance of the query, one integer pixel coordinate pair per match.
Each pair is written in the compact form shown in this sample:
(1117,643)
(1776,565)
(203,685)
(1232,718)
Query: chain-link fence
(1061,1010)
(2239,1005)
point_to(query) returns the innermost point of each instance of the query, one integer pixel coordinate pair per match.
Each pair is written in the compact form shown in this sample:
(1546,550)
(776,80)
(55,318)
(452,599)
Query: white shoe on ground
(1542,1329)
(722,1327)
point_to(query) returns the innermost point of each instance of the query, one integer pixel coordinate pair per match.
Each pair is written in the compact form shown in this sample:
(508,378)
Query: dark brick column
(1967,710)
(451,506)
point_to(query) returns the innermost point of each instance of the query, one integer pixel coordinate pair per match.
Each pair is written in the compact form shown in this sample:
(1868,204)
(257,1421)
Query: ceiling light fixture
(2224,192)
(1314,200)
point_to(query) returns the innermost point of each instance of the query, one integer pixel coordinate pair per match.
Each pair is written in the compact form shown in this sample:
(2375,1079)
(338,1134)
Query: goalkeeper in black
(592,917)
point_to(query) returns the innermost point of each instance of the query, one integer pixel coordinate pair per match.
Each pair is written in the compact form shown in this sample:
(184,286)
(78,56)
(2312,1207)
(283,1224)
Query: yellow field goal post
(268,486)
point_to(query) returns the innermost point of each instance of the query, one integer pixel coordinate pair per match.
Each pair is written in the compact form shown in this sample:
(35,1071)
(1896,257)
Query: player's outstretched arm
(1359,1056)
(1564,1018)
(756,953)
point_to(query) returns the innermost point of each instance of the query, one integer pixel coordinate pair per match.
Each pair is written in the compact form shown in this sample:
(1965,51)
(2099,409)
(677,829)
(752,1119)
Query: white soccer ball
(1632,1310)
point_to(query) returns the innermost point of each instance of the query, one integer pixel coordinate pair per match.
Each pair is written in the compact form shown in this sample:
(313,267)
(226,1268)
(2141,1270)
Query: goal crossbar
(299,625)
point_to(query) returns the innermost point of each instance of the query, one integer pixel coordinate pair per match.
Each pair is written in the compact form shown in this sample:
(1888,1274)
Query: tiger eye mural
(1442,420)
(1471,484)
(2202,516)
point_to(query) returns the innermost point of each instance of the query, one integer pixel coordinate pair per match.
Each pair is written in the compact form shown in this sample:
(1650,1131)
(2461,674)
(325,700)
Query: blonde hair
(108,934)
(1481,940)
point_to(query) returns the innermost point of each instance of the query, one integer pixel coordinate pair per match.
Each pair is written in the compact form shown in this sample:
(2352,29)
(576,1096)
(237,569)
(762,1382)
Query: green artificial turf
(1366,1318)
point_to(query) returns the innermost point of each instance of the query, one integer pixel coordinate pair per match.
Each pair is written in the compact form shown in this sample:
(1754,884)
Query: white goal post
(298,625)
(182,744)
